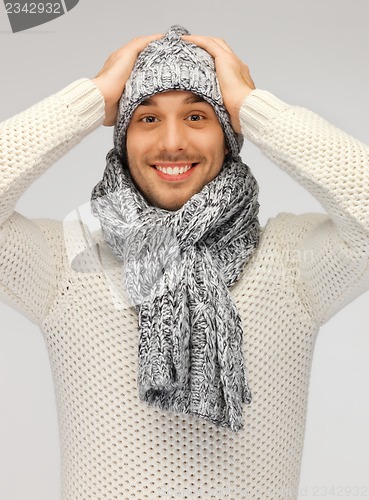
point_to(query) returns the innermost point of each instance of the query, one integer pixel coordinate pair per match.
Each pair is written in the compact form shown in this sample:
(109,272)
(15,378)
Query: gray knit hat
(173,64)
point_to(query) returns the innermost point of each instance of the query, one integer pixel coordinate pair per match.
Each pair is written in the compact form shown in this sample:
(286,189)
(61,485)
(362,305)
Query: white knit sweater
(63,277)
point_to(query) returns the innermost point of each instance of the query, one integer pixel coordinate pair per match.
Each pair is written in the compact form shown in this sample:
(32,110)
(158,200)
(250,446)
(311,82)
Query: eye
(195,118)
(149,119)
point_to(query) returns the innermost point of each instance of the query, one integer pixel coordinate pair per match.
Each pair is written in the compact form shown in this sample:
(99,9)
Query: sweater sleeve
(30,143)
(331,251)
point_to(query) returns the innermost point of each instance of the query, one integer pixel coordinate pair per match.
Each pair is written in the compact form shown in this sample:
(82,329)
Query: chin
(173,204)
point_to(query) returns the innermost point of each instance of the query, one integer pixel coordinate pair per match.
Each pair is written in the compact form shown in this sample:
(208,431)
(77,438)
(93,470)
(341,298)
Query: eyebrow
(189,100)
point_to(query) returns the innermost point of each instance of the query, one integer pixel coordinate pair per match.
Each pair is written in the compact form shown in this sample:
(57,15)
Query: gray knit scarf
(178,269)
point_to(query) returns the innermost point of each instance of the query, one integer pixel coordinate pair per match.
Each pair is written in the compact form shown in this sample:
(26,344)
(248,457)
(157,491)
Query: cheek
(140,146)
(133,155)
(212,141)
(218,141)
(220,146)
(134,149)
(131,143)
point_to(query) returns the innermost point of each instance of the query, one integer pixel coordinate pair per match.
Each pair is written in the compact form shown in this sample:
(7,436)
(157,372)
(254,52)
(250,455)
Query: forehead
(180,97)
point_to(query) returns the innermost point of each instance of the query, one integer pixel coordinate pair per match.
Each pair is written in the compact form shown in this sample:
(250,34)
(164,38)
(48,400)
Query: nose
(172,136)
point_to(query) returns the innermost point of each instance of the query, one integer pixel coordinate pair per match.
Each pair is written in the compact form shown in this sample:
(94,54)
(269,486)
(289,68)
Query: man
(214,311)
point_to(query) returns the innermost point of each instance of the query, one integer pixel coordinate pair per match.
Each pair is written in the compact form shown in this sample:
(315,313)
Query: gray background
(311,53)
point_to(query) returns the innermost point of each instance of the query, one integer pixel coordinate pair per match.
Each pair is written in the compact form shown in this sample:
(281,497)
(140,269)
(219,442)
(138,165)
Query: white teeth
(175,170)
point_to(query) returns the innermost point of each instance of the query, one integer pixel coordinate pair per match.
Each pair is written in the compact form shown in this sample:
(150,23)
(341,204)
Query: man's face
(171,133)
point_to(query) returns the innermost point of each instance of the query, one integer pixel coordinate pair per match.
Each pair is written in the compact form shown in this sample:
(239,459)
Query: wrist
(85,101)
(110,102)
(239,98)
(258,110)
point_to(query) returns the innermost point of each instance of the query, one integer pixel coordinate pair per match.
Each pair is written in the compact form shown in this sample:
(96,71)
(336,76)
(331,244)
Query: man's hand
(234,76)
(112,78)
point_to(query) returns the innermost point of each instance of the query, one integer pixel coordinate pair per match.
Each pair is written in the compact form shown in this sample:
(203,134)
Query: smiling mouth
(175,168)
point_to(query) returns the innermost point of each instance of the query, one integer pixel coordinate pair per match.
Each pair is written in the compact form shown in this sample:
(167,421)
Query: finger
(141,41)
(223,44)
(207,43)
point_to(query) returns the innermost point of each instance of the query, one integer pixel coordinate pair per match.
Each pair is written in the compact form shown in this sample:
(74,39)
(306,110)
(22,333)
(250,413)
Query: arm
(332,251)
(30,143)
(332,267)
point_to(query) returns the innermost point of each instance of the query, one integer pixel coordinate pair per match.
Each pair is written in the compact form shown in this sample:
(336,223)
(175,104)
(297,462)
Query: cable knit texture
(178,267)
(173,64)
(62,276)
